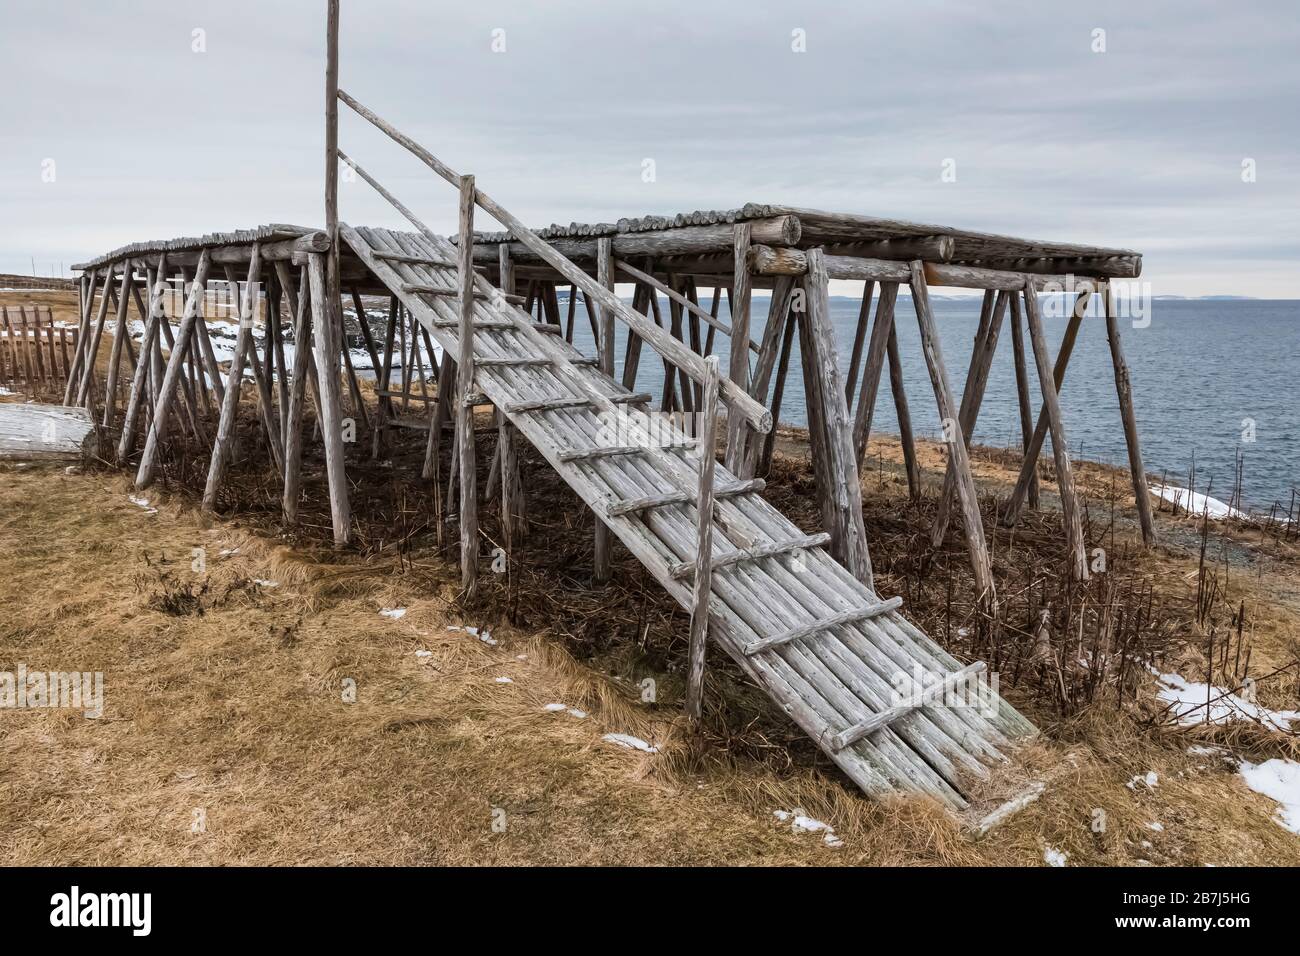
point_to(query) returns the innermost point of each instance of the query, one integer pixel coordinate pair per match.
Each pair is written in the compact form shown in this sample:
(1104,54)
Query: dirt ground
(261,709)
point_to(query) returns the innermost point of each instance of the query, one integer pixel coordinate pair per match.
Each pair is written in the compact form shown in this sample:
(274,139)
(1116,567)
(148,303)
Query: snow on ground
(396,613)
(264,583)
(1148,779)
(1187,702)
(5,391)
(1197,503)
(503,680)
(140,502)
(1054,857)
(800,822)
(484,635)
(572,711)
(631,743)
(424,653)
(1278,780)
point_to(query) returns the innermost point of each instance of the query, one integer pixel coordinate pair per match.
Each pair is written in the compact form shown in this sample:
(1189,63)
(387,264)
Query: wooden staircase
(870,687)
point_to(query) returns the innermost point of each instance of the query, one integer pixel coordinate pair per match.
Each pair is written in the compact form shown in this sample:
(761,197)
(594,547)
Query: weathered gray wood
(703,567)
(221,448)
(910,462)
(167,390)
(1124,390)
(619,451)
(880,335)
(778,394)
(738,369)
(967,496)
(83,327)
(92,347)
(778,315)
(33,432)
(326,357)
(684,569)
(735,395)
(841,497)
(859,339)
(667,498)
(852,616)
(1022,394)
(977,376)
(139,380)
(934,693)
(464,388)
(1060,451)
(1030,463)
(302,337)
(672,294)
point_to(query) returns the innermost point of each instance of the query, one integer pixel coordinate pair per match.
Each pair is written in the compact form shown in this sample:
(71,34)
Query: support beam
(1027,467)
(464,389)
(703,582)
(602,541)
(302,336)
(1125,392)
(977,377)
(948,414)
(1060,451)
(738,369)
(326,355)
(1022,395)
(834,460)
(881,332)
(221,449)
(167,390)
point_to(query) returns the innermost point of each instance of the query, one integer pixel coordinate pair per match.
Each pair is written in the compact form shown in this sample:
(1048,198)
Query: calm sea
(1203,371)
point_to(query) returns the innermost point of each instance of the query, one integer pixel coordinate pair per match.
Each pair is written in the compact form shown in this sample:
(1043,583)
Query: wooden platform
(829,650)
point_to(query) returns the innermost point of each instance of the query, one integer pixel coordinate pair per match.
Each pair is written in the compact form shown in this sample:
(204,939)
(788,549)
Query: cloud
(1139,146)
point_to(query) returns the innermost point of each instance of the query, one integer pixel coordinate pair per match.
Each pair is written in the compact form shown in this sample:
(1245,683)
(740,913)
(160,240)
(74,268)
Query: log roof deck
(820,227)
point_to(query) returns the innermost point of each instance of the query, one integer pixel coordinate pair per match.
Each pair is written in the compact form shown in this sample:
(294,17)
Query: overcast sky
(1141,145)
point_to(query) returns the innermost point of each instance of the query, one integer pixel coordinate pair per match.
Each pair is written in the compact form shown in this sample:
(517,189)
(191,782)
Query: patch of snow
(1157,826)
(264,583)
(572,711)
(800,822)
(1279,780)
(1197,503)
(424,653)
(1187,701)
(485,635)
(142,503)
(1149,779)
(521,657)
(631,743)
(579,714)
(1054,857)
(227,552)
(555,708)
(396,613)
(503,680)
(5,391)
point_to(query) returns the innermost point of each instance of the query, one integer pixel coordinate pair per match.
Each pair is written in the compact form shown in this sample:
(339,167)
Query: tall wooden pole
(1125,392)
(600,558)
(703,542)
(464,389)
(1060,451)
(1022,395)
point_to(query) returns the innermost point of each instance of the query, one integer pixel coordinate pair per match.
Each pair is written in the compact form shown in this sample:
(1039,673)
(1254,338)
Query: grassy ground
(228,701)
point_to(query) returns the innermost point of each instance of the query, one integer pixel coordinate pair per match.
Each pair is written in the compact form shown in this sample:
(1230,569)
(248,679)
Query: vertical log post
(83,324)
(738,365)
(139,383)
(119,336)
(1017,499)
(977,377)
(880,333)
(1060,451)
(302,336)
(167,390)
(948,414)
(230,403)
(703,582)
(464,389)
(92,342)
(910,462)
(834,461)
(326,354)
(859,339)
(1124,389)
(1022,395)
(600,557)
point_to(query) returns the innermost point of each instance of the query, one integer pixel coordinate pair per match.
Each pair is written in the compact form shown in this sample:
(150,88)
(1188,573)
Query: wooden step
(417,288)
(686,569)
(573,401)
(824,624)
(932,694)
(413,260)
(681,497)
(612,451)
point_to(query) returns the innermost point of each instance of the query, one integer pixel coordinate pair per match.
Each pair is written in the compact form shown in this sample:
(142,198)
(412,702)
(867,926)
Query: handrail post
(708,428)
(464,389)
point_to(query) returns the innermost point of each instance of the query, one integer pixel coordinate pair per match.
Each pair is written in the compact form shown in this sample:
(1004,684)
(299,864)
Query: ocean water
(1203,372)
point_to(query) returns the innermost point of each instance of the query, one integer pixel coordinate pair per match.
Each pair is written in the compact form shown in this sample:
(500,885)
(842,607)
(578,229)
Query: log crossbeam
(933,694)
(684,569)
(854,616)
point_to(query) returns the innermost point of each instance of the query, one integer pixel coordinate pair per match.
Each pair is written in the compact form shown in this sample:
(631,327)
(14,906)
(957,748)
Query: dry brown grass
(238,710)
